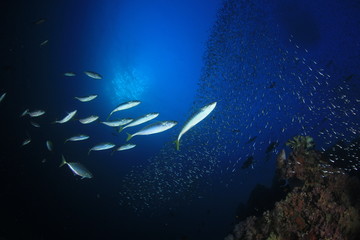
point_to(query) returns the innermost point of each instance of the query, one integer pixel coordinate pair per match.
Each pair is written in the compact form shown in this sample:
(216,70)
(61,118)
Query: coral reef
(325,206)
(301,144)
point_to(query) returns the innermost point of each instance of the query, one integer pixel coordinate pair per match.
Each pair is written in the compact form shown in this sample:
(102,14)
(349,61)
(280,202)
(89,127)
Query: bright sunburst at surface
(128,84)
(104,88)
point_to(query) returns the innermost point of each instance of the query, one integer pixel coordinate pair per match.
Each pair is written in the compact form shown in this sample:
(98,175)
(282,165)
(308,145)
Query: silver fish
(67,117)
(69,74)
(2,96)
(44,43)
(126,147)
(93,75)
(87,98)
(76,168)
(140,120)
(76,138)
(88,120)
(39,21)
(118,123)
(49,145)
(25,112)
(26,142)
(153,128)
(125,105)
(101,146)
(36,113)
(34,124)
(195,119)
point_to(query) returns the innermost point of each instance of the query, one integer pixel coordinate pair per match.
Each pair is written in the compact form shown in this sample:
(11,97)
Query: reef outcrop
(326,205)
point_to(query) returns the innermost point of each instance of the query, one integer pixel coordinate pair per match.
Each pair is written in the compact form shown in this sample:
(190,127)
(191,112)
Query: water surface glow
(128,84)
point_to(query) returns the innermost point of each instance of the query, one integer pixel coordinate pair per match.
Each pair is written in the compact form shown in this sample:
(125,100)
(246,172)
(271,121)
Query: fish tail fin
(177,142)
(120,129)
(26,111)
(129,136)
(109,116)
(63,161)
(89,151)
(66,141)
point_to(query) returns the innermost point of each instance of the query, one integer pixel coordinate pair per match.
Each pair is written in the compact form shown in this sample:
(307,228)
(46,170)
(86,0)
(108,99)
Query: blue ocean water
(275,69)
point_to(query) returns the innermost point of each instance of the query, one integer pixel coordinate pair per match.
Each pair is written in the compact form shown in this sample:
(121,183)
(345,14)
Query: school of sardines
(268,91)
(120,124)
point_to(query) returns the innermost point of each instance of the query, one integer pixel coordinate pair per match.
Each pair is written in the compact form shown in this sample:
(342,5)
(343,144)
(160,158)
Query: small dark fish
(44,42)
(272,85)
(324,120)
(329,63)
(251,140)
(271,147)
(40,21)
(348,78)
(248,162)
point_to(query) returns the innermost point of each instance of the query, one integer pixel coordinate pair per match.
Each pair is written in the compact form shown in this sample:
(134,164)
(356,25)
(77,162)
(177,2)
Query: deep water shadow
(298,22)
